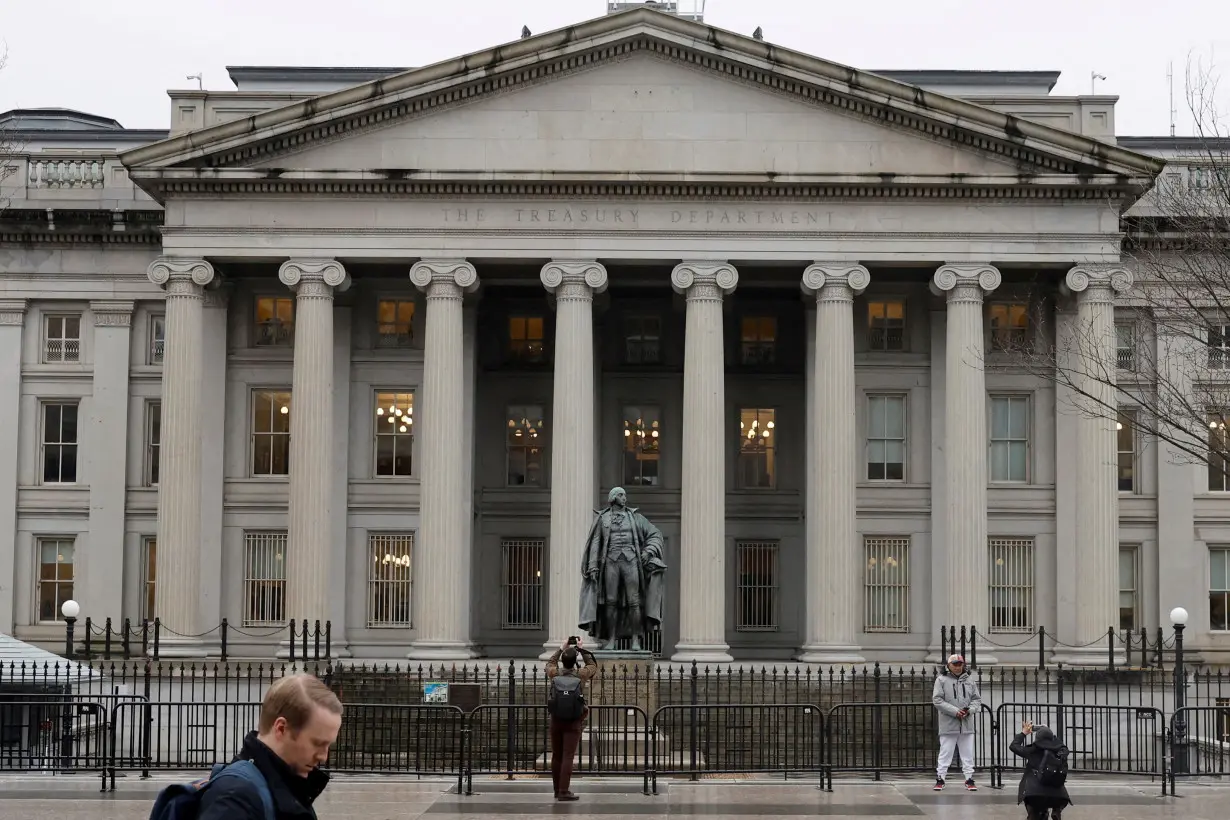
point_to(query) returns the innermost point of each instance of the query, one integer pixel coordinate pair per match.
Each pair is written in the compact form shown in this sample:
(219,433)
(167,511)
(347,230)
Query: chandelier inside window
(399,419)
(524,428)
(756,434)
(641,433)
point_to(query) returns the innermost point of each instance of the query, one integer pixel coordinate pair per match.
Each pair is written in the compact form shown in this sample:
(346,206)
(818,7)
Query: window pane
(1018,419)
(1217,611)
(68,463)
(262,412)
(999,418)
(51,422)
(894,415)
(1217,569)
(1127,569)
(280,421)
(1018,461)
(999,461)
(875,416)
(642,430)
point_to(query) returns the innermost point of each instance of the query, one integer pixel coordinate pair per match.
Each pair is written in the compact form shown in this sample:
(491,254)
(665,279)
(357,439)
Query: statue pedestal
(625,678)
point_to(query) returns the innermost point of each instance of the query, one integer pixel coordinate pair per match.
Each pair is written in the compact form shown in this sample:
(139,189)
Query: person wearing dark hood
(1043,786)
(299,721)
(957,700)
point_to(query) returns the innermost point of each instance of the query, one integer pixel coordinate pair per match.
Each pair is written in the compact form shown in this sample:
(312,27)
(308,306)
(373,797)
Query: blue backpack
(183,800)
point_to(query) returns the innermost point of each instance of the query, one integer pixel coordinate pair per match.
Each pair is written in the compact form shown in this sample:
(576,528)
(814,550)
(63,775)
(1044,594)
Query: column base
(177,647)
(702,653)
(1088,657)
(825,653)
(442,651)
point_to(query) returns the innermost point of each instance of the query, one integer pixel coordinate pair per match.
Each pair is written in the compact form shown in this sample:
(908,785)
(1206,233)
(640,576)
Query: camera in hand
(573,640)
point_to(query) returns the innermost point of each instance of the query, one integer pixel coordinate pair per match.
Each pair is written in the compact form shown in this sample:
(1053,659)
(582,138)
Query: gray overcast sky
(118,59)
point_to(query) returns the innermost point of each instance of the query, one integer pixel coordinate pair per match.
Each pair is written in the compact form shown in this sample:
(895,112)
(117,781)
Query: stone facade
(598,244)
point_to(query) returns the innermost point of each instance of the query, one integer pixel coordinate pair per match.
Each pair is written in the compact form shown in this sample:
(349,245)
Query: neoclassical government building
(371,346)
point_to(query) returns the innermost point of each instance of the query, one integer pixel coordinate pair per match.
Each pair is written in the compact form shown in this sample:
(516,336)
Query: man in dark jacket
(566,734)
(299,721)
(1038,797)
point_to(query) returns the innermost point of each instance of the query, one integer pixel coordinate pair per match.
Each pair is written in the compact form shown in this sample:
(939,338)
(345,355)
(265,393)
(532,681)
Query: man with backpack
(1043,785)
(277,774)
(566,706)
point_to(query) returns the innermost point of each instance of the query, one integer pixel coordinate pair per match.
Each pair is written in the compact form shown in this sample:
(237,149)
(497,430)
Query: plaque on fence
(466,696)
(435,692)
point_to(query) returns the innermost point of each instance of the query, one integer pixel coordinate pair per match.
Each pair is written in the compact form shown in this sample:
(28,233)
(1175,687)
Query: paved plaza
(369,798)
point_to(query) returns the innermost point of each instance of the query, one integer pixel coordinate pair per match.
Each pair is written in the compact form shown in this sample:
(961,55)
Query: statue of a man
(624,575)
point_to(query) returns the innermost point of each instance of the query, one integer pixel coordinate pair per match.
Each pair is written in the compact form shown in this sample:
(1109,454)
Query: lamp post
(70,609)
(1178,744)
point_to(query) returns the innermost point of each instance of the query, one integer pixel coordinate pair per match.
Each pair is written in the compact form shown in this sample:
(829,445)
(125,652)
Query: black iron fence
(126,640)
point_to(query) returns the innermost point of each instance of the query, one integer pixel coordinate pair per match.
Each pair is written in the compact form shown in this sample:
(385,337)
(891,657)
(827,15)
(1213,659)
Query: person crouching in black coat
(1039,797)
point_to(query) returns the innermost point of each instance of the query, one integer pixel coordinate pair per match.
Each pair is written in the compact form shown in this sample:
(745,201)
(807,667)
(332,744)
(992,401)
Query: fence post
(147,727)
(963,640)
(1041,648)
(225,627)
(107,642)
(973,647)
(1110,648)
(1144,648)
(1161,644)
(157,636)
(126,642)
(89,634)
(316,642)
(328,640)
(304,637)
(510,727)
(693,735)
(1178,745)
(877,732)
(944,653)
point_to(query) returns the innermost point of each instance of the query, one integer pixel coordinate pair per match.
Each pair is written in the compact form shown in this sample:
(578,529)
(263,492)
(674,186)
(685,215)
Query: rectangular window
(270,433)
(521,583)
(390,579)
(886,585)
(59,443)
(1219,346)
(1125,436)
(886,438)
(527,339)
(527,446)
(275,321)
(1125,346)
(394,323)
(1219,454)
(394,426)
(757,593)
(157,338)
(55,576)
(1129,589)
(264,580)
(153,441)
(1009,326)
(1219,589)
(1012,585)
(643,340)
(1009,438)
(757,449)
(886,325)
(758,341)
(149,578)
(62,339)
(642,446)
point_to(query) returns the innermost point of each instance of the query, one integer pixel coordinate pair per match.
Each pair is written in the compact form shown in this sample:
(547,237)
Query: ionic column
(1097,486)
(310,537)
(441,595)
(832,468)
(12,321)
(702,555)
(179,474)
(573,474)
(965,423)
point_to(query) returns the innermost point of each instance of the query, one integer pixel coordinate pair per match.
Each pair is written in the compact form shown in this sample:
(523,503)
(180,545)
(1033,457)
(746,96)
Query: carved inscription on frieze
(600,217)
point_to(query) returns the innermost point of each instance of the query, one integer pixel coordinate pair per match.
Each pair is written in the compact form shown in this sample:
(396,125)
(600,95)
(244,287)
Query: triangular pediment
(638,95)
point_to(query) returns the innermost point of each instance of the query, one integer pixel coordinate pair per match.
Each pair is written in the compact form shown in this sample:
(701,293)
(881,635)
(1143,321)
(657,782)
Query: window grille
(60,443)
(62,339)
(522,582)
(55,577)
(1125,346)
(757,593)
(1012,585)
(264,579)
(643,340)
(886,325)
(642,446)
(1009,326)
(390,579)
(275,321)
(757,448)
(758,341)
(394,323)
(527,339)
(886,584)
(157,339)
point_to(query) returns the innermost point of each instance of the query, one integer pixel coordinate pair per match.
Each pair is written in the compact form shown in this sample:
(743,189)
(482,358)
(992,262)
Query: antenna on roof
(1170,82)
(200,82)
(1093,81)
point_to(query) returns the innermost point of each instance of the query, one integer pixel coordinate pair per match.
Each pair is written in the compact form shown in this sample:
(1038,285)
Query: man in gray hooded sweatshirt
(956,698)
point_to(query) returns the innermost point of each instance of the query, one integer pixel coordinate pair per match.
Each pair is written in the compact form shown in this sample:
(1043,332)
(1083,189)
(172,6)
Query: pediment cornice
(261,139)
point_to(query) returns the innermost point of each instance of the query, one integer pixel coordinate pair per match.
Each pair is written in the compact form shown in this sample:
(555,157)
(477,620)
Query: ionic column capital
(314,277)
(1098,282)
(966,282)
(112,313)
(704,280)
(180,277)
(13,311)
(574,279)
(835,281)
(444,278)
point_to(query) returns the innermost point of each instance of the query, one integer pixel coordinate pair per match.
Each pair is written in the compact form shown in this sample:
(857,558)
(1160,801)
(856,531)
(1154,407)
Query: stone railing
(66,172)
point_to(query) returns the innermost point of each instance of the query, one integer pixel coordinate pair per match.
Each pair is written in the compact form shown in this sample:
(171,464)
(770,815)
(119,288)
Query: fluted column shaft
(832,464)
(965,420)
(702,557)
(310,538)
(441,595)
(179,482)
(1097,487)
(573,436)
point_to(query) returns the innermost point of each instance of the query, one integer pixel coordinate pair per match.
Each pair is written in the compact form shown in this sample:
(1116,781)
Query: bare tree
(8,146)
(1165,371)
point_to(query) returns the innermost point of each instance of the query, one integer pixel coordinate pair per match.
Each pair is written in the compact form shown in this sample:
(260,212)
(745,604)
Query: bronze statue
(623,575)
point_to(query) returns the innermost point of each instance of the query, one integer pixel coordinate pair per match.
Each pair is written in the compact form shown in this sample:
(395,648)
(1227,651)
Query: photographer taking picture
(566,706)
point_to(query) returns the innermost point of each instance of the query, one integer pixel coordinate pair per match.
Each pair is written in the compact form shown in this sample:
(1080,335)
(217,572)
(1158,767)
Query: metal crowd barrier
(63,734)
(1199,743)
